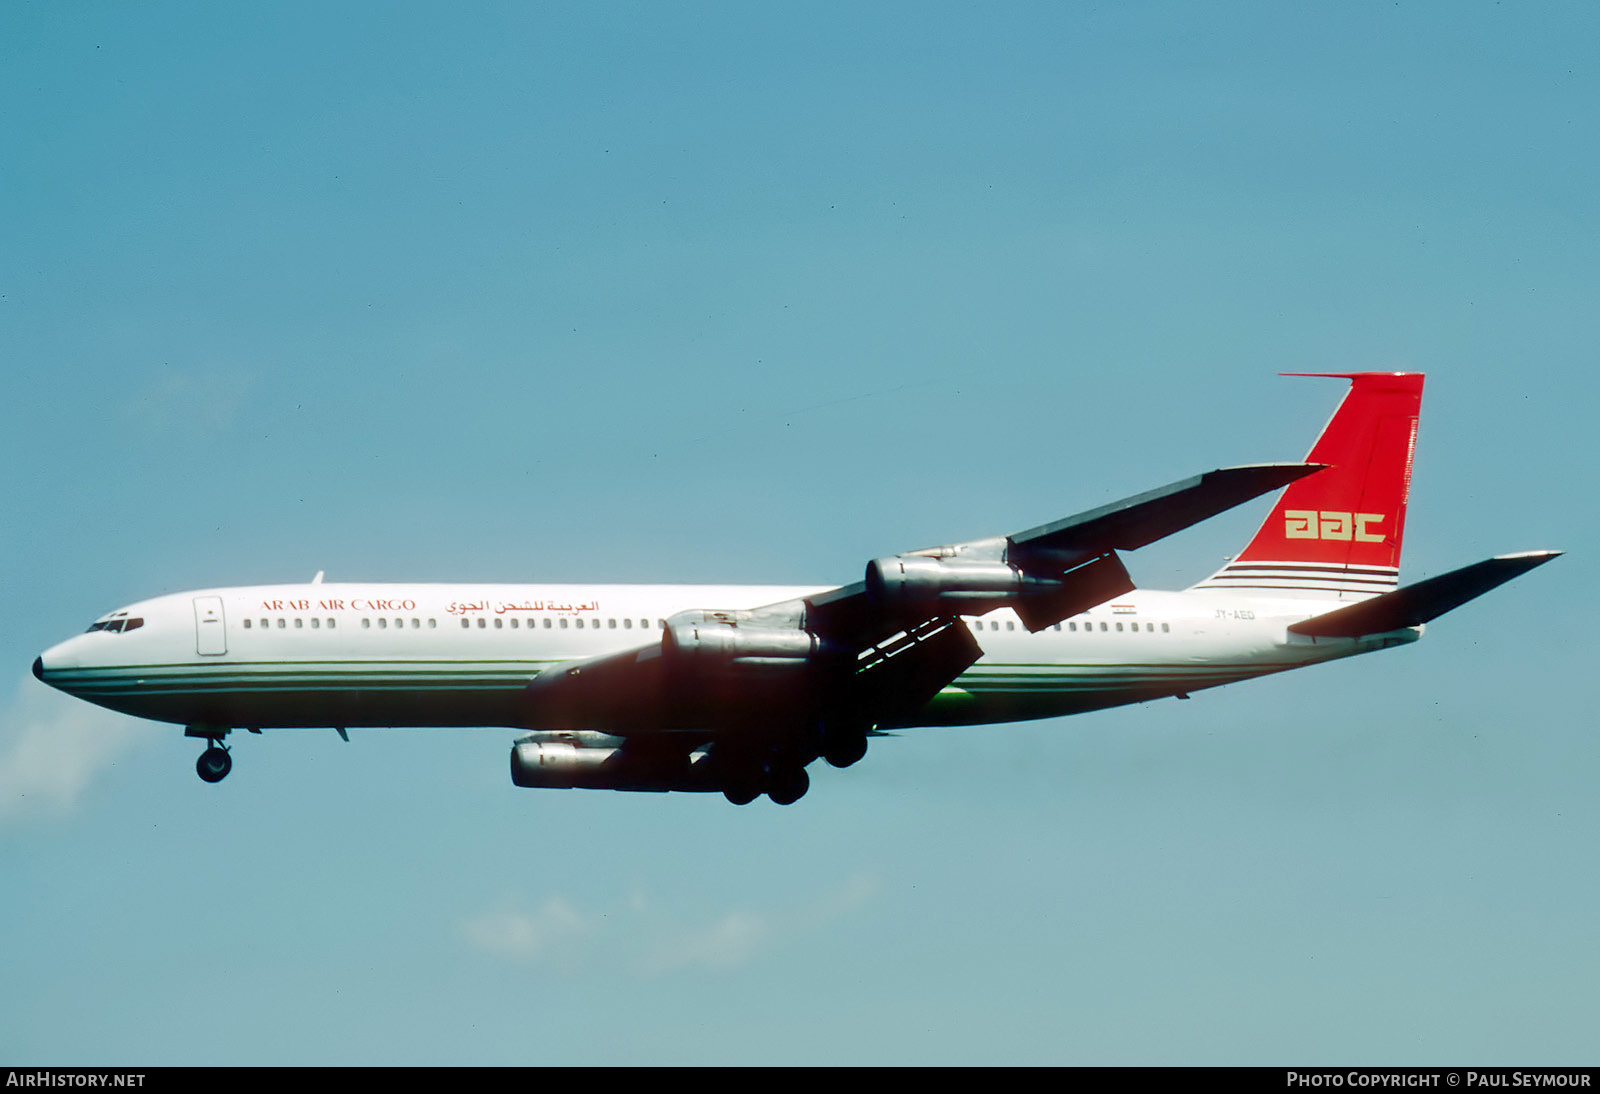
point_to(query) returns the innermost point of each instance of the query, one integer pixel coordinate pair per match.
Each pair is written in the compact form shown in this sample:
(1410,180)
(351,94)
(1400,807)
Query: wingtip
(1284,464)
(1284,472)
(1532,558)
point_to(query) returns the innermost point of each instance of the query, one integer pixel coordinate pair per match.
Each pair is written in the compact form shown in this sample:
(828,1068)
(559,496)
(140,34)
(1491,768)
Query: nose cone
(48,665)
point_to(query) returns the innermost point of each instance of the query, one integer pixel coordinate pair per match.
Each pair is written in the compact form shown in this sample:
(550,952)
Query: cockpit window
(117,623)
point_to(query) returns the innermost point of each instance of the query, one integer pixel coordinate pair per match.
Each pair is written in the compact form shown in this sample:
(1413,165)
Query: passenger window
(563,623)
(281,623)
(482,623)
(1165,628)
(498,622)
(383,624)
(315,623)
(627,624)
(247,624)
(299,623)
(465,623)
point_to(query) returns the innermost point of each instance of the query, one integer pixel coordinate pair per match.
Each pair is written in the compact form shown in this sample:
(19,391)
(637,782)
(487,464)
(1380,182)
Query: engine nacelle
(950,586)
(714,639)
(596,761)
(556,764)
(915,585)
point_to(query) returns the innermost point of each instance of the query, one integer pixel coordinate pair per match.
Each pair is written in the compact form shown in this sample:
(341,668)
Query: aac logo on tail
(1310,524)
(739,689)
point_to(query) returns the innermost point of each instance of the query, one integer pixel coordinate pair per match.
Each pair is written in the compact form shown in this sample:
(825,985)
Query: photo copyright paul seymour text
(1476,1080)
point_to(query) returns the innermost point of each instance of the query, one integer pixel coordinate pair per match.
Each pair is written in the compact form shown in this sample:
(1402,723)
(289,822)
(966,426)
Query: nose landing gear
(215,762)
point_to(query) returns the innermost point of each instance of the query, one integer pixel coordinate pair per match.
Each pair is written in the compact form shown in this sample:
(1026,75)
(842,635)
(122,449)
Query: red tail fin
(1338,532)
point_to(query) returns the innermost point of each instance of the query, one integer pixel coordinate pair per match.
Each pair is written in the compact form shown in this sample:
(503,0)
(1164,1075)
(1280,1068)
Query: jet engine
(599,761)
(926,584)
(951,586)
(703,639)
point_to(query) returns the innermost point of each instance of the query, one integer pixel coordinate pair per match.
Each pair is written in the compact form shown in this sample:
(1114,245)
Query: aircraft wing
(879,648)
(1144,518)
(1046,573)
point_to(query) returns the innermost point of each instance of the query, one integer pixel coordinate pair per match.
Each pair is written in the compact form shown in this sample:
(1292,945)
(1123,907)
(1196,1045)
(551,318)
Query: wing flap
(903,675)
(1088,586)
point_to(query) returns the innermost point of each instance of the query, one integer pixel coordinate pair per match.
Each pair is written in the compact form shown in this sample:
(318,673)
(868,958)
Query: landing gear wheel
(214,764)
(740,793)
(844,749)
(788,785)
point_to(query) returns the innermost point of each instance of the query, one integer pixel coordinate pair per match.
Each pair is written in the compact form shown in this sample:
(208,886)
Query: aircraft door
(210,637)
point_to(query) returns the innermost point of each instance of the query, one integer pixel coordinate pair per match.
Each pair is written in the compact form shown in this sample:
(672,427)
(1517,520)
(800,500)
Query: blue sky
(757,293)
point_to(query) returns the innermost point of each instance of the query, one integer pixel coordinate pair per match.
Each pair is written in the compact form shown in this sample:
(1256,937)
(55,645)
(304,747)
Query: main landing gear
(781,778)
(215,762)
(780,772)
(843,745)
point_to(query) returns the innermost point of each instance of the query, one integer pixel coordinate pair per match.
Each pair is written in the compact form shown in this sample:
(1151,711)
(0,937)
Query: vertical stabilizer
(1337,534)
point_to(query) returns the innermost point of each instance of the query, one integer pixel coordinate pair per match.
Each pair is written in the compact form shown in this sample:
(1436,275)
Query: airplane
(738,689)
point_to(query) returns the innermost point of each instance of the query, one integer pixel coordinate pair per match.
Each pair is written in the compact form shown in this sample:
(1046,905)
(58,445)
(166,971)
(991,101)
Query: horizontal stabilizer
(1414,605)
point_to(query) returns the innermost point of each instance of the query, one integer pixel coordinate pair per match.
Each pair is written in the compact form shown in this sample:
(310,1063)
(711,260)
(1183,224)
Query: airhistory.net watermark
(43,1077)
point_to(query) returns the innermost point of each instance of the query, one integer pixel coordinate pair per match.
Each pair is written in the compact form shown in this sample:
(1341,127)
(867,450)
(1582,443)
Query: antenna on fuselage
(318,579)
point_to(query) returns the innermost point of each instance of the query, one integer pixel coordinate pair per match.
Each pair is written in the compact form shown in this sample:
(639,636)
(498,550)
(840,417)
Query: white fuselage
(343,655)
